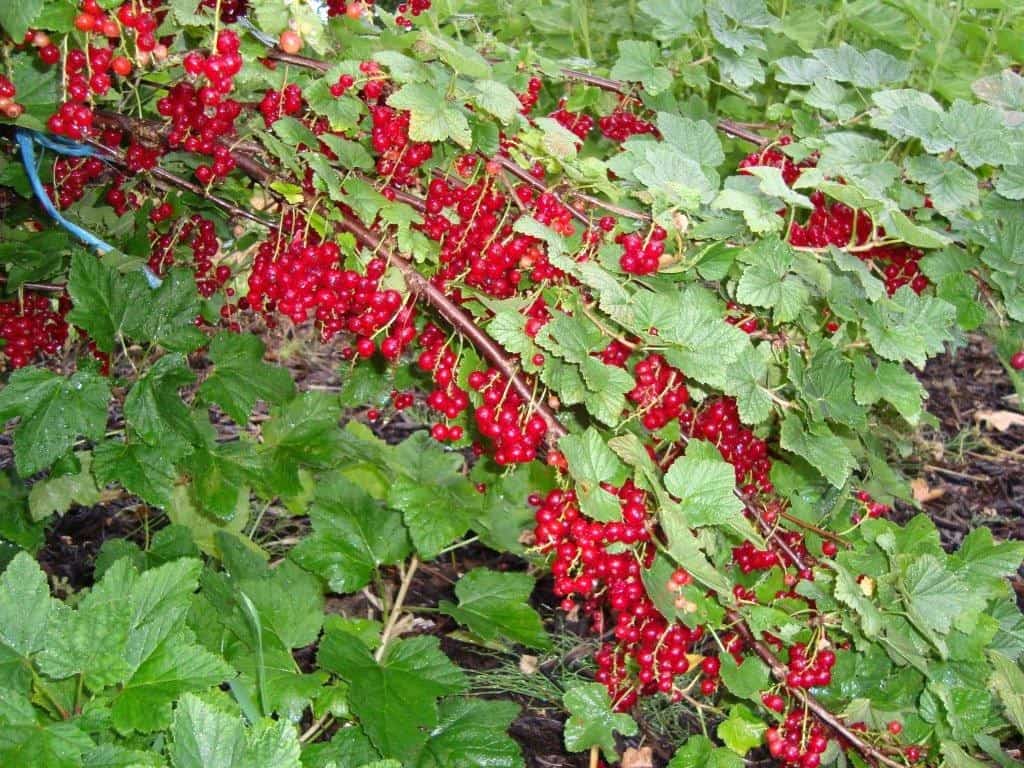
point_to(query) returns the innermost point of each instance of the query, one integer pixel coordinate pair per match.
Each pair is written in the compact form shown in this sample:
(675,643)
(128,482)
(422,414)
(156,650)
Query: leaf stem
(396,609)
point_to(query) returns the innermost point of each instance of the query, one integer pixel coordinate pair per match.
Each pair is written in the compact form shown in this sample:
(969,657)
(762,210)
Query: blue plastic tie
(27,139)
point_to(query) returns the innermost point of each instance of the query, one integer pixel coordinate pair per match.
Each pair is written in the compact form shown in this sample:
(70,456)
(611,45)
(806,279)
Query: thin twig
(396,608)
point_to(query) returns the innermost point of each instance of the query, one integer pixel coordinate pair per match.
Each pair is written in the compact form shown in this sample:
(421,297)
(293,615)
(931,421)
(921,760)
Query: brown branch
(814,529)
(781,673)
(727,127)
(41,287)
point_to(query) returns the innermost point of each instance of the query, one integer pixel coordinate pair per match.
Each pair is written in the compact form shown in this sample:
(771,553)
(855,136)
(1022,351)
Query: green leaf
(696,139)
(889,382)
(240,377)
(909,327)
(352,535)
(28,743)
(53,413)
(432,118)
(768,281)
(494,604)
(592,723)
(700,752)
(819,447)
(705,485)
(825,384)
(26,608)
(457,55)
(155,410)
(471,733)
(640,61)
(397,705)
(748,384)
(101,297)
(437,502)
(205,737)
(742,731)
(301,433)
(55,495)
(977,131)
(496,98)
(984,564)
(1010,183)
(145,470)
(950,186)
(672,19)
(1008,682)
(936,596)
(167,315)
(17,18)
(742,194)
(747,680)
(176,667)
(591,462)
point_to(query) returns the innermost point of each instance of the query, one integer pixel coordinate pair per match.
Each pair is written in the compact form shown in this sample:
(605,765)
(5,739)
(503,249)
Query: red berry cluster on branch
(660,392)
(30,326)
(798,741)
(397,156)
(836,224)
(622,124)
(641,256)
(10,108)
(718,421)
(199,235)
(297,274)
(579,123)
(506,420)
(275,104)
(70,175)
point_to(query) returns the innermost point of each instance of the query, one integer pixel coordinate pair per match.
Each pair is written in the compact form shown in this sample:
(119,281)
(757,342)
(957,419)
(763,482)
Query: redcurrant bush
(589,334)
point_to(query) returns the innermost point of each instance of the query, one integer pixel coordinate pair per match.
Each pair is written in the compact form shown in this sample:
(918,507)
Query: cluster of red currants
(10,108)
(814,671)
(274,104)
(506,420)
(742,317)
(70,175)
(797,742)
(660,392)
(836,224)
(201,117)
(297,274)
(622,124)
(528,99)
(32,325)
(649,652)
(640,256)
(410,8)
(447,398)
(578,123)
(200,236)
(480,248)
(397,156)
(718,421)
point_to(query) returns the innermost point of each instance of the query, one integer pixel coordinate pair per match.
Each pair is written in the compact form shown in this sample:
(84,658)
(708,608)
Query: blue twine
(27,139)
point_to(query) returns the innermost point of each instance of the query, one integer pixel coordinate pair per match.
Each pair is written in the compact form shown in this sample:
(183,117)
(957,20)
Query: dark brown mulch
(973,471)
